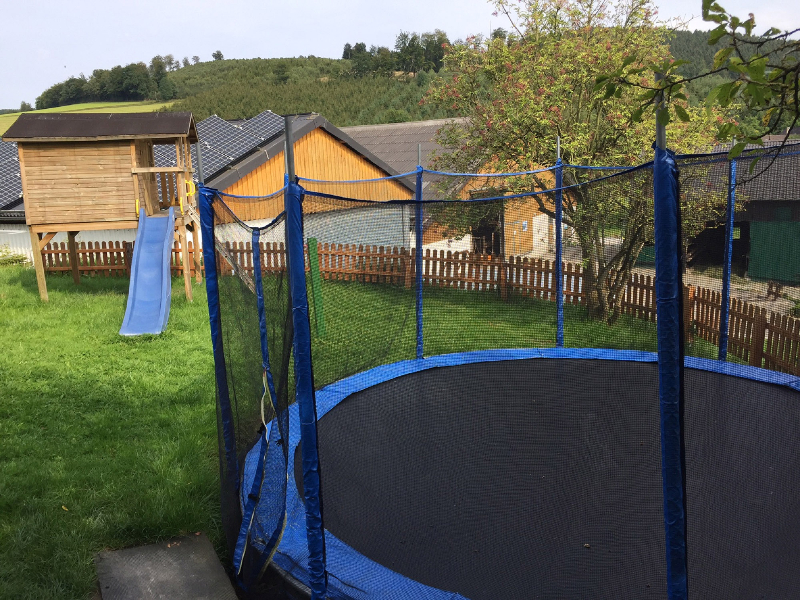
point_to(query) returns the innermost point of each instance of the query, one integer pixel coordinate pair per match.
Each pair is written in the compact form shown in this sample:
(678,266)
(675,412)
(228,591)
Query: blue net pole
(559,257)
(724,317)
(418,234)
(304,391)
(206,198)
(669,298)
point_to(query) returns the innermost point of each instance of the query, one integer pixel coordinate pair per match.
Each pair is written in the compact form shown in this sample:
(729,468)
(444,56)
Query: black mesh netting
(258,420)
(502,479)
(743,512)
(503,465)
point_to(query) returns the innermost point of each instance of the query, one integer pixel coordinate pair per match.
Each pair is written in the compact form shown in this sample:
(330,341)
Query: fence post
(559,276)
(724,316)
(316,286)
(418,234)
(758,337)
(408,271)
(502,277)
(128,253)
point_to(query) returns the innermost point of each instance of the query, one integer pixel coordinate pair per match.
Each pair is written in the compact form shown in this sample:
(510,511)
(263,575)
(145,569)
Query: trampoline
(488,475)
(464,425)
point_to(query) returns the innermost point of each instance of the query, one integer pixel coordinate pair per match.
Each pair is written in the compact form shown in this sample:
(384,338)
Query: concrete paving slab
(183,568)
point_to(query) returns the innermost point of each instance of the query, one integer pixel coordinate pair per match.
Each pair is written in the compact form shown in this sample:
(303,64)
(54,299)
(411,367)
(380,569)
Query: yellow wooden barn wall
(77,182)
(523,233)
(318,155)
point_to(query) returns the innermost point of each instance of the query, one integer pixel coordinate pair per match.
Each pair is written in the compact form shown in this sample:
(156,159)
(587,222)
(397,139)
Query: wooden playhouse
(83,172)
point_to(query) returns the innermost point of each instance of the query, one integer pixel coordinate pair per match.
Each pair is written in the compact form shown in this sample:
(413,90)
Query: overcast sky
(47,41)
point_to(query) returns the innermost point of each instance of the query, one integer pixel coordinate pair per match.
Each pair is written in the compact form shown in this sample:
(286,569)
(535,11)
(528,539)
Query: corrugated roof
(77,126)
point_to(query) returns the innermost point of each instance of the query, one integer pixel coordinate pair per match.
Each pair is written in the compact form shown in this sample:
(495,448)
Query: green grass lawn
(8,119)
(109,442)
(119,431)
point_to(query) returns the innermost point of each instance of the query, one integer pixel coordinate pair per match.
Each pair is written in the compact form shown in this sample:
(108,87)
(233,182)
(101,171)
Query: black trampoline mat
(542,479)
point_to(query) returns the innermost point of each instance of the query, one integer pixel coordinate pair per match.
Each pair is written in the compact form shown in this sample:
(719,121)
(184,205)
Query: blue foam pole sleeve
(669,298)
(724,317)
(304,391)
(418,233)
(559,256)
(206,197)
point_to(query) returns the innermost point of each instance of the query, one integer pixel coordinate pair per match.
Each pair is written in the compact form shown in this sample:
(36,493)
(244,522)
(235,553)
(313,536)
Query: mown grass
(8,119)
(105,442)
(109,442)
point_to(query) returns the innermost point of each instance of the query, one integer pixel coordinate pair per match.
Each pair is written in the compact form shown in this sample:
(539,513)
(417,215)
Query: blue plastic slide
(151,279)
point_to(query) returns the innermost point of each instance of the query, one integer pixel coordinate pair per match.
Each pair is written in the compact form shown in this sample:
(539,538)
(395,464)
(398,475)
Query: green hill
(239,89)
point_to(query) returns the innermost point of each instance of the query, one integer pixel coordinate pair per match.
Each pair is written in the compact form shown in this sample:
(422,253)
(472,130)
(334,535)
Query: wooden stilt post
(198,273)
(73,256)
(38,264)
(187,270)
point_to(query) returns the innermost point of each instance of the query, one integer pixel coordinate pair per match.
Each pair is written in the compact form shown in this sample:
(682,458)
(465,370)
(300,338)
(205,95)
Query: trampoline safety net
(487,408)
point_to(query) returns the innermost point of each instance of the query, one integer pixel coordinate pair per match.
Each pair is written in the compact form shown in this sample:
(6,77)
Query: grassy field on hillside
(8,119)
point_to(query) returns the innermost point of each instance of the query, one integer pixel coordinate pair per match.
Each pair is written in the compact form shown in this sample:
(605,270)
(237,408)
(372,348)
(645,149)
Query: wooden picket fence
(104,259)
(756,337)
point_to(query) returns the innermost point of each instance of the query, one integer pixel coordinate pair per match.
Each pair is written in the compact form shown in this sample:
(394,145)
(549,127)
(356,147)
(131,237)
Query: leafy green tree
(519,96)
(72,91)
(434,43)
(25,106)
(347,53)
(410,52)
(195,59)
(383,61)
(136,82)
(759,74)
(362,60)
(499,34)
(158,69)
(217,55)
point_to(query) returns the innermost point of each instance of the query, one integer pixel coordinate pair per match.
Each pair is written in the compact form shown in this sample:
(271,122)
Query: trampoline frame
(347,564)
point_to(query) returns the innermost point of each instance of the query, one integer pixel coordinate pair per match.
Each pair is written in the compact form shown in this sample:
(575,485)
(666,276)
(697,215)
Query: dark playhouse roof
(93,126)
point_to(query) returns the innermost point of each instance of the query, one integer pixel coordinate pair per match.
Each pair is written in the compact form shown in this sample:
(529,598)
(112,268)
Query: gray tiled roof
(397,143)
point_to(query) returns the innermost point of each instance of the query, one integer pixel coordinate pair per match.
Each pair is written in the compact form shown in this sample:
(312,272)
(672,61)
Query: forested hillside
(365,86)
(343,101)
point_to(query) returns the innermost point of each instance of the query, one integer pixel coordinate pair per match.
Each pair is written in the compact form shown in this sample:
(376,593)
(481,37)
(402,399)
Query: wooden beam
(73,256)
(198,270)
(136,197)
(77,226)
(46,239)
(24,179)
(157,169)
(187,271)
(38,264)
(164,137)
